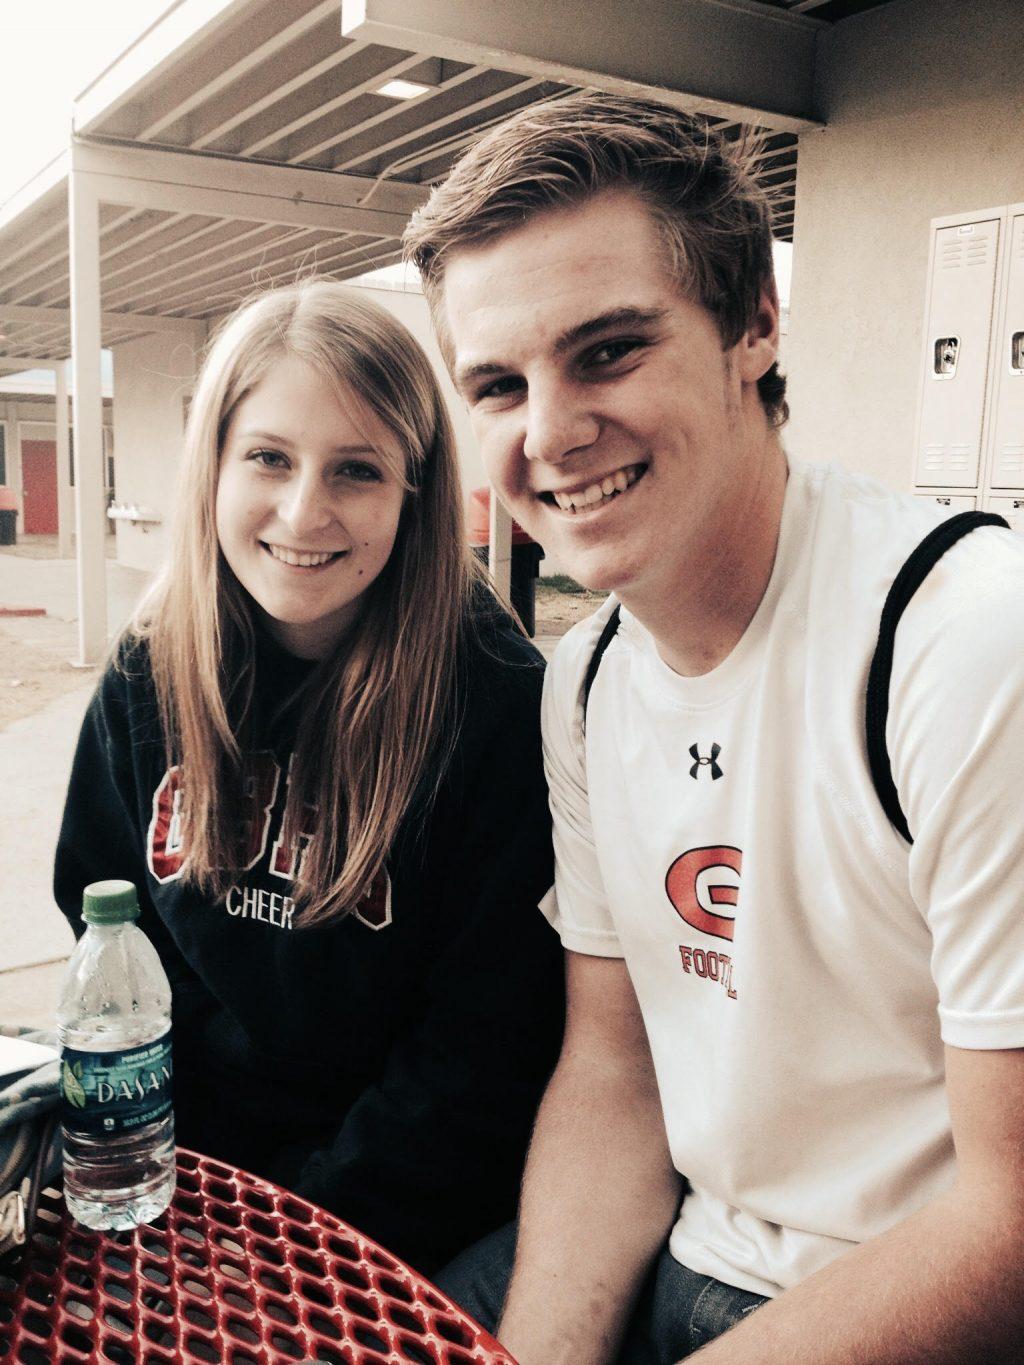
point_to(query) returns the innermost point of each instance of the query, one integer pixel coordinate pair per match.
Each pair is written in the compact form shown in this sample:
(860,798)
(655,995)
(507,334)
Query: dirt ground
(34,667)
(556,609)
(35,651)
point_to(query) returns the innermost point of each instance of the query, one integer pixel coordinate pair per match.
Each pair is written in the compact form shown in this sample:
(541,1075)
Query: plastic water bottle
(114,1022)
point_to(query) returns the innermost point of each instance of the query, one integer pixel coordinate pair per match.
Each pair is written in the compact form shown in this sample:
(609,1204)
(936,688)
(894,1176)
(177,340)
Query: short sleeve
(577,907)
(956,736)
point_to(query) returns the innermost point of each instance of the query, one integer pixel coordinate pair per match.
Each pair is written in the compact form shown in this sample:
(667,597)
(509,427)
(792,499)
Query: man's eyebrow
(626,316)
(465,374)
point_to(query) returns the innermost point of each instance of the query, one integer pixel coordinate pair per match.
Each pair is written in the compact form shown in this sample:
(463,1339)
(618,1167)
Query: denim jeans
(677,1312)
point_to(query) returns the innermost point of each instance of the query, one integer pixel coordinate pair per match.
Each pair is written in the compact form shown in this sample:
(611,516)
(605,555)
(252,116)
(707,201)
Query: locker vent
(957,456)
(1011,458)
(953,253)
(941,457)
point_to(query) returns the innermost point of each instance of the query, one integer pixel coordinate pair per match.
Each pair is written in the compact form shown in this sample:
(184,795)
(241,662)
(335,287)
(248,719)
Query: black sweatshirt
(386,1066)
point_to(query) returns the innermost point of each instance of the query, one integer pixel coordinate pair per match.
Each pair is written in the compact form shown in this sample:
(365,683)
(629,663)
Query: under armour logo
(702,762)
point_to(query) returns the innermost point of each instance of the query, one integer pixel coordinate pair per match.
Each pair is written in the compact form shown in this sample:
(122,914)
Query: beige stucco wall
(152,376)
(922,101)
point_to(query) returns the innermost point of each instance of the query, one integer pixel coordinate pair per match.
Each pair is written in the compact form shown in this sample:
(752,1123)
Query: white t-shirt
(797,965)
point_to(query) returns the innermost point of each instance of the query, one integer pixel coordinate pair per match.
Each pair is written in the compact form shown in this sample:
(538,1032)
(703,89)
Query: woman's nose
(305,506)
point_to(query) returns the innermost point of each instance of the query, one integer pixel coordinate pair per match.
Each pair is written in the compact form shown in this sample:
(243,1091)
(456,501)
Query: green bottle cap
(110,902)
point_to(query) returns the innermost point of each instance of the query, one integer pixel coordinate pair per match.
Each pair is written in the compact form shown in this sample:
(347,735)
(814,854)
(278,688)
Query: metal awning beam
(136,322)
(732,58)
(251,191)
(221,72)
(183,30)
(14,364)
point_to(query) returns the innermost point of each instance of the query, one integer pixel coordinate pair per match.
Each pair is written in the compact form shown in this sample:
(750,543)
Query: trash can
(8,517)
(526,555)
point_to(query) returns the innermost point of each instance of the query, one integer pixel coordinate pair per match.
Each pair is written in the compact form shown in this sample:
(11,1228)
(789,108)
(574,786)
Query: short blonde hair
(714,217)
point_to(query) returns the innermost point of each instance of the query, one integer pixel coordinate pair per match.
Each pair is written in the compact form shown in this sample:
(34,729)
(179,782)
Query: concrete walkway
(35,759)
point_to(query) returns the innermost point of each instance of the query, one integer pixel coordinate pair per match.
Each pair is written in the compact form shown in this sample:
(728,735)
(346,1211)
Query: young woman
(317,755)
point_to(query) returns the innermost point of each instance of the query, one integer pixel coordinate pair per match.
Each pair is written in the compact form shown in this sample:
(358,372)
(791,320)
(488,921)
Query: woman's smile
(302,559)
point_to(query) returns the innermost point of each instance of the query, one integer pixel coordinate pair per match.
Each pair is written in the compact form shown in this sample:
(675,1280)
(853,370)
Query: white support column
(499,554)
(65,493)
(90,513)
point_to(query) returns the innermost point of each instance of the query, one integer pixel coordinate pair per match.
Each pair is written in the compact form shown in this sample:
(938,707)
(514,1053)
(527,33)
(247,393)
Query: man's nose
(558,422)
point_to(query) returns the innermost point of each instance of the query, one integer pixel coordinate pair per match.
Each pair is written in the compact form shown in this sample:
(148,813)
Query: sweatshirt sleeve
(101,835)
(430,1157)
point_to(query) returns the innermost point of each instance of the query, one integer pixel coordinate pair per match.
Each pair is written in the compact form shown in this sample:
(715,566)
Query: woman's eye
(269,459)
(360,472)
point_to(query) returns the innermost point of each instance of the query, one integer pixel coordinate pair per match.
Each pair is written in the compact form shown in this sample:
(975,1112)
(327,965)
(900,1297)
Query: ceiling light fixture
(403,90)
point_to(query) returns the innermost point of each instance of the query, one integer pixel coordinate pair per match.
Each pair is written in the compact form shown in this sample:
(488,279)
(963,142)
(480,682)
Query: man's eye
(500,388)
(611,351)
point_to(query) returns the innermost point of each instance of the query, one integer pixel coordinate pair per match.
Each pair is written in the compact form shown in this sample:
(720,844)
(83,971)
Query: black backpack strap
(603,641)
(913,573)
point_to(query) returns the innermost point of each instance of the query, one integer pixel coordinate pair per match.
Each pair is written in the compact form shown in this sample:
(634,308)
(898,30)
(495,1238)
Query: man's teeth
(301,559)
(609,486)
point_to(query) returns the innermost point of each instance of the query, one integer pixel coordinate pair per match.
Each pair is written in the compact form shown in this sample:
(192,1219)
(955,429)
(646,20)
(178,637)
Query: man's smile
(598,491)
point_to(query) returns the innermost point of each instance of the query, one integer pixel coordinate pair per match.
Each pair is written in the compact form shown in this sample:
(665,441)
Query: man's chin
(593,574)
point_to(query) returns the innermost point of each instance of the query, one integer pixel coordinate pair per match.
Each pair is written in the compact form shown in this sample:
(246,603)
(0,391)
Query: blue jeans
(677,1312)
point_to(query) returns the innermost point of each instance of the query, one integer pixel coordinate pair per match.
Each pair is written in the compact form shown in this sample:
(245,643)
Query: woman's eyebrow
(272,439)
(270,436)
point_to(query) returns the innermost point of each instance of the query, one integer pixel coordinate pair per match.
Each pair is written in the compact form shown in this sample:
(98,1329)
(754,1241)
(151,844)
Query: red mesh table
(236,1271)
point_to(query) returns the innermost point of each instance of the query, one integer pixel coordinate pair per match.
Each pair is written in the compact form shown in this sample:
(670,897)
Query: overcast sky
(52,50)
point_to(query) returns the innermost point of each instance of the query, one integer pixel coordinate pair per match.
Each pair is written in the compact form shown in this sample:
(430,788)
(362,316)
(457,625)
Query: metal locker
(952,502)
(956,354)
(1008,389)
(1010,508)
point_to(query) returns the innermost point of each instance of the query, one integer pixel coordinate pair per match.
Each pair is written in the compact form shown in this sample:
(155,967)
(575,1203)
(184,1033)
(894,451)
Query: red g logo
(700,883)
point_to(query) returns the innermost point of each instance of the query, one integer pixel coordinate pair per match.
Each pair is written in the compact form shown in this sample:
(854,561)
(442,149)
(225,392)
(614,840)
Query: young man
(794,1040)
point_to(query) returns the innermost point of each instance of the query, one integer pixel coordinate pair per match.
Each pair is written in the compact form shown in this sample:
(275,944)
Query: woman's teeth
(300,558)
(609,487)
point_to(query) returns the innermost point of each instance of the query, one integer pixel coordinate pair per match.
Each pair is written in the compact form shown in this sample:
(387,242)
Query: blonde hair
(383,709)
(714,217)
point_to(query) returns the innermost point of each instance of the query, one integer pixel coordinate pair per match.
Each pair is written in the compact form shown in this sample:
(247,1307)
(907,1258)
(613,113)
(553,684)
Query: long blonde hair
(381,712)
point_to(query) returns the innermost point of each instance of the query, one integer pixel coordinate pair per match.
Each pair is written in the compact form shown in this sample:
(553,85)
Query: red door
(39,487)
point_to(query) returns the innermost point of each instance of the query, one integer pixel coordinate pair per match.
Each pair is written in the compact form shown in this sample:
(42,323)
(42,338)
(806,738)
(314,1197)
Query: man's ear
(758,347)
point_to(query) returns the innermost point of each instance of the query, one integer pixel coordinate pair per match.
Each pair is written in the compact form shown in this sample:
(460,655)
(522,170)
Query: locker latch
(947,353)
